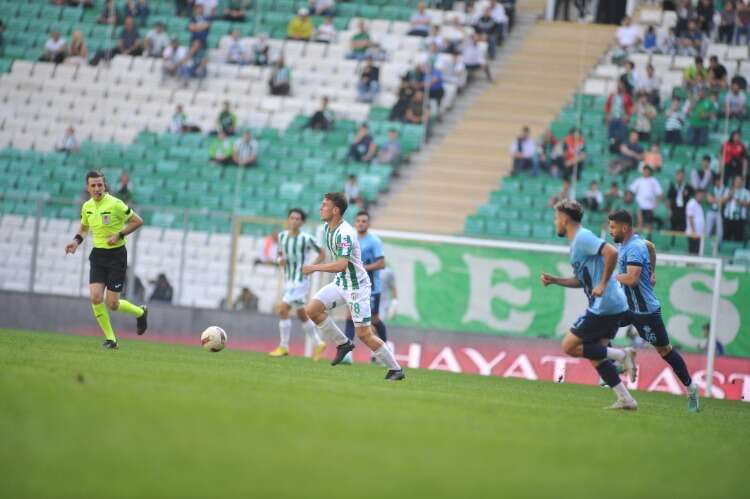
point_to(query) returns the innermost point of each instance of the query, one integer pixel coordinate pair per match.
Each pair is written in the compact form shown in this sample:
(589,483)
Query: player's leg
(378,324)
(349,328)
(326,299)
(115,283)
(311,331)
(285,330)
(96,291)
(583,341)
(608,373)
(360,310)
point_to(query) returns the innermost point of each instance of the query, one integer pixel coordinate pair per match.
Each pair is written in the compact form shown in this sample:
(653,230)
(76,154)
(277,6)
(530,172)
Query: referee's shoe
(142,323)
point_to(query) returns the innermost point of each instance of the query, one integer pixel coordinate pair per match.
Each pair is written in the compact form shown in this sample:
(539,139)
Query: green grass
(158,420)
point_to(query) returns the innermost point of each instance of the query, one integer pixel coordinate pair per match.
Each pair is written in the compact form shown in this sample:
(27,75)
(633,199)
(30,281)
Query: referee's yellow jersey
(105,219)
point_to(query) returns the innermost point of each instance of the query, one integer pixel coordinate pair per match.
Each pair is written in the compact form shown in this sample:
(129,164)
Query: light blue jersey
(372,251)
(588,266)
(641,298)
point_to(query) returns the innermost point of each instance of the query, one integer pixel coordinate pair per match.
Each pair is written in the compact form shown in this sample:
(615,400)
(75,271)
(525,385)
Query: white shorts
(358,301)
(295,293)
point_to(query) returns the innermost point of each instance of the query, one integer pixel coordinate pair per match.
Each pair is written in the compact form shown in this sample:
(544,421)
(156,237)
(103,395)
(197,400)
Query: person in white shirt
(594,197)
(245,150)
(453,69)
(647,192)
(695,222)
(156,41)
(524,155)
(322,7)
(178,121)
(473,57)
(236,52)
(628,36)
(454,35)
(55,49)
(209,7)
(69,142)
(703,177)
(649,83)
(436,39)
(420,21)
(326,32)
(497,11)
(174,57)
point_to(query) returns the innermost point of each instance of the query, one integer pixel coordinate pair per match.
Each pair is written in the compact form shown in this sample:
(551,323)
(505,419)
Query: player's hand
(308,269)
(653,280)
(113,240)
(392,309)
(598,291)
(71,248)
(547,279)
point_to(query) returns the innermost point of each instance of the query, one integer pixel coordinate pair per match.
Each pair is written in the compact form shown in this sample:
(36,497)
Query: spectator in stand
(701,113)
(705,15)
(178,121)
(221,149)
(435,91)
(691,41)
(717,74)
(523,151)
(627,202)
(628,36)
(173,58)
(163,290)
(261,50)
(629,78)
(650,42)
(574,150)
(735,201)
(454,35)
(404,94)
(695,74)
(617,113)
(453,69)
(362,148)
(734,103)
(322,119)
(677,197)
(124,192)
(110,14)
(326,32)
(227,120)
(209,7)
(245,152)
(420,21)
(138,10)
(235,10)
(563,194)
(696,223)
(236,53)
(199,25)
(685,13)
(280,82)
(389,152)
(130,42)
(369,82)
(551,154)
(78,52)
(653,158)
(488,28)
(501,18)
(247,301)
(647,193)
(612,196)
(351,190)
(703,177)
(714,215)
(322,7)
(631,153)
(360,42)
(644,114)
(269,254)
(436,39)
(594,199)
(727,23)
(743,23)
(300,27)
(195,62)
(649,84)
(415,112)
(183,8)
(674,123)
(473,58)
(156,41)
(68,143)
(734,155)
(55,49)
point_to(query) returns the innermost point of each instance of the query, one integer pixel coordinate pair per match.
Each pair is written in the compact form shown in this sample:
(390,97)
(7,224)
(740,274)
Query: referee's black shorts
(108,267)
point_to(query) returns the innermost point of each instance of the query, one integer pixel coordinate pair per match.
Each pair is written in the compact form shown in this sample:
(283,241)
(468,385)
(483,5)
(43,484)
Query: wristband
(122,236)
(78,238)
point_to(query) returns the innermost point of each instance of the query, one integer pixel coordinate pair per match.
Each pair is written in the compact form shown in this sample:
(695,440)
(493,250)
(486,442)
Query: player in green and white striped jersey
(351,286)
(294,247)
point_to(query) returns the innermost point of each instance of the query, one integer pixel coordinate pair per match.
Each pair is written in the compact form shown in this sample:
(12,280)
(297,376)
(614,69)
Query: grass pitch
(158,420)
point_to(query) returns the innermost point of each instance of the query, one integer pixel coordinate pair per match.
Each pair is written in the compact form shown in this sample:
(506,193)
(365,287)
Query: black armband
(78,238)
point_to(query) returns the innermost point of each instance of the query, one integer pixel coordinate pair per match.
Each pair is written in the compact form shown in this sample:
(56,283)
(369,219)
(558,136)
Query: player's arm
(566,282)
(334,267)
(134,222)
(631,277)
(652,259)
(609,254)
(77,239)
(378,264)
(321,256)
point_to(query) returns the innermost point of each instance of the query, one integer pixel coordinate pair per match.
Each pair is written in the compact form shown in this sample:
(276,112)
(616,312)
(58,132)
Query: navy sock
(349,329)
(594,351)
(679,367)
(380,329)
(608,373)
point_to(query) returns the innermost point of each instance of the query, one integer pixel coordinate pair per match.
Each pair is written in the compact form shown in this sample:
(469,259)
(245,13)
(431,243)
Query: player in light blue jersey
(593,262)
(636,271)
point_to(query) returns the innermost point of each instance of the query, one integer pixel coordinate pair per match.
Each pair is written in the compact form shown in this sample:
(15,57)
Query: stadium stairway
(540,68)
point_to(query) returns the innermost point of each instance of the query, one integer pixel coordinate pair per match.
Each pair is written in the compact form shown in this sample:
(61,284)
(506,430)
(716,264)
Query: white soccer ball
(214,339)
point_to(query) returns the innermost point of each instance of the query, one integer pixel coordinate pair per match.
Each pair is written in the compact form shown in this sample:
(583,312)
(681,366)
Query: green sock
(126,307)
(102,317)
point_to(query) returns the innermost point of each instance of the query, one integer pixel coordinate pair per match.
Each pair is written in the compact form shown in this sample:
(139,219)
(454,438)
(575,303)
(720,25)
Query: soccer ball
(214,339)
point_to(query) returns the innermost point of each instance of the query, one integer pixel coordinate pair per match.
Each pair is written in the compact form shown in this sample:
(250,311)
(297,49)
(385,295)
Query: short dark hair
(571,208)
(706,157)
(338,199)
(621,216)
(301,212)
(363,213)
(94,174)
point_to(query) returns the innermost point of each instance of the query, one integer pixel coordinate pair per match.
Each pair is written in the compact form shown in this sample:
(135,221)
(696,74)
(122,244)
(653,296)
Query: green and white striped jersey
(294,250)
(341,242)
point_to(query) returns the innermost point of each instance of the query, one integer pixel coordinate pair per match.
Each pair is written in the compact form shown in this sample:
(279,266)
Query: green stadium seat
(474,225)
(519,230)
(497,228)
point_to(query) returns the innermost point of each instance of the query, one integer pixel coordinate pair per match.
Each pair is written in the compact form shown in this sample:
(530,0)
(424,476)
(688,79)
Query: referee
(110,220)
